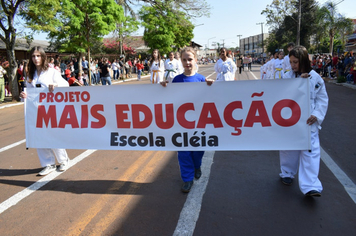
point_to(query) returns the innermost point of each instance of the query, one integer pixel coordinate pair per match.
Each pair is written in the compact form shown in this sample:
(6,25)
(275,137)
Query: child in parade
(41,75)
(286,63)
(171,67)
(139,67)
(180,65)
(306,162)
(225,67)
(277,66)
(263,69)
(269,72)
(156,67)
(189,161)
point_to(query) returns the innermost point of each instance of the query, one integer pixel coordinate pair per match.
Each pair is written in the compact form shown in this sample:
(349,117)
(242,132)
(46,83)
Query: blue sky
(230,18)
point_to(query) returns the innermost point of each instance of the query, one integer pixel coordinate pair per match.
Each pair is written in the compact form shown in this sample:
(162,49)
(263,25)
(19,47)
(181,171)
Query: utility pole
(223,42)
(263,48)
(299,21)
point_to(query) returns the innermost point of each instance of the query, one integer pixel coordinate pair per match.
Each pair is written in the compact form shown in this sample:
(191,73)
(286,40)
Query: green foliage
(74,24)
(341,79)
(334,24)
(282,17)
(165,29)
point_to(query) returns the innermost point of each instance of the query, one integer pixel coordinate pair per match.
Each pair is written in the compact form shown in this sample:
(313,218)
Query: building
(351,39)
(22,48)
(253,45)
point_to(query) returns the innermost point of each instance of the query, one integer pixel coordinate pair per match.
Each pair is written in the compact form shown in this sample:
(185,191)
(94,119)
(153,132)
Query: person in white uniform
(171,66)
(156,67)
(40,75)
(180,65)
(277,66)
(286,63)
(263,70)
(269,69)
(306,162)
(225,67)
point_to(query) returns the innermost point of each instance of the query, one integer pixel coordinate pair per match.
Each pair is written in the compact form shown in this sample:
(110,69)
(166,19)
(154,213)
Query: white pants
(306,163)
(47,156)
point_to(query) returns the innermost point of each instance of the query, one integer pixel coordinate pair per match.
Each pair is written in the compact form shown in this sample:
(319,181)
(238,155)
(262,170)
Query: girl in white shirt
(306,162)
(156,67)
(40,75)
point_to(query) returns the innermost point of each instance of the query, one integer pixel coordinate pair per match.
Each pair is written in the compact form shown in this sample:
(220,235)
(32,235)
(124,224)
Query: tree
(165,30)
(277,11)
(332,21)
(282,18)
(8,11)
(79,23)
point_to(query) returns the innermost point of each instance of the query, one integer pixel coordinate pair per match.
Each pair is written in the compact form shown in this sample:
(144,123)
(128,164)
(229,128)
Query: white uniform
(50,76)
(277,68)
(286,64)
(263,71)
(157,72)
(305,162)
(171,69)
(180,67)
(269,70)
(225,70)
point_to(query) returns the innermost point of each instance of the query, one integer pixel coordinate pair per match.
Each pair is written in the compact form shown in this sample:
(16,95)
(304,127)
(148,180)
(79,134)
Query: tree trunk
(89,72)
(12,71)
(331,34)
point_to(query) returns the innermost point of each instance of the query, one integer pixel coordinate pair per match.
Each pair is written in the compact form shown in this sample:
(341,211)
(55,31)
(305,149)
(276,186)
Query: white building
(253,45)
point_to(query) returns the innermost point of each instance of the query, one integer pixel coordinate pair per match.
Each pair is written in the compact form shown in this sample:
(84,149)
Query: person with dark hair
(20,78)
(156,67)
(306,162)
(225,67)
(286,63)
(40,75)
(277,66)
(105,72)
(2,83)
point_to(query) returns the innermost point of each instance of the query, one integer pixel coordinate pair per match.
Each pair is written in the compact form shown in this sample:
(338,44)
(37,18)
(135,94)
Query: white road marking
(349,186)
(11,105)
(190,212)
(40,183)
(254,75)
(12,145)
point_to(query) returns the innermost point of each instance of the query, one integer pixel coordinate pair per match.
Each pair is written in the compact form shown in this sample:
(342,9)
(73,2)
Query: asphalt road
(138,192)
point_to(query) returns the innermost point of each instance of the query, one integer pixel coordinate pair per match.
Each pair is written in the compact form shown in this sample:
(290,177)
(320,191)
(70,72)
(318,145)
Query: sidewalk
(334,81)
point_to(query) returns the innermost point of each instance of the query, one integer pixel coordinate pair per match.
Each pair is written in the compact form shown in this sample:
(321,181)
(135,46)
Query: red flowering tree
(113,46)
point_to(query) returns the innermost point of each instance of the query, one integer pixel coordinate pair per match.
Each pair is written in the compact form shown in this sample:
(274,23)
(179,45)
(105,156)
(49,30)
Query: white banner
(236,115)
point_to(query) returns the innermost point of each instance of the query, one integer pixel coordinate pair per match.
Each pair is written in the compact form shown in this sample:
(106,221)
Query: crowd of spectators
(341,67)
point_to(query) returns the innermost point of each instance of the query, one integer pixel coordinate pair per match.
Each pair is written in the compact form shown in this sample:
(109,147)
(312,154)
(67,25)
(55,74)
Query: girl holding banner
(40,75)
(156,67)
(189,161)
(306,162)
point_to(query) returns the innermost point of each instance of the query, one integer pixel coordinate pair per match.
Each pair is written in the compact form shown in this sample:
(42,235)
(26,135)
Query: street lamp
(239,35)
(208,41)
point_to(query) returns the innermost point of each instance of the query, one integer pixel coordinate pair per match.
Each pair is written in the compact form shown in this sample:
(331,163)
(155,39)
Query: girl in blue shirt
(189,161)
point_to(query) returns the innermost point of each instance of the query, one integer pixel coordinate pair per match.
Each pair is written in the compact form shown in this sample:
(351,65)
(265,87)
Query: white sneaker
(48,169)
(63,166)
